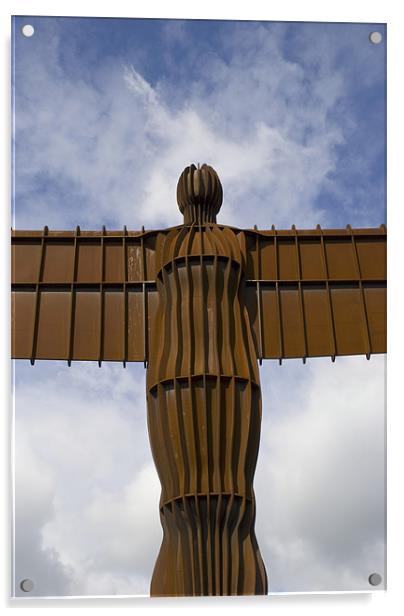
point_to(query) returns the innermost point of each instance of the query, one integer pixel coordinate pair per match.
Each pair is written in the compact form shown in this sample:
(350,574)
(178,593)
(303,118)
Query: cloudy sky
(107,114)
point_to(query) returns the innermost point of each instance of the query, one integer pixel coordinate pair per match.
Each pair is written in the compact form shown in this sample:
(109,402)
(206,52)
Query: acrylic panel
(107,112)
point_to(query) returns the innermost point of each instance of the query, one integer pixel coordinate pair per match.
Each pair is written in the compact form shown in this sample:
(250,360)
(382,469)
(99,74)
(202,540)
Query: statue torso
(201,324)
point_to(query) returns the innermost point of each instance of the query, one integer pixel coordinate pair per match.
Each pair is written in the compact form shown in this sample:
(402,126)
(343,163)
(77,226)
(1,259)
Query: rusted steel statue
(204,404)
(199,304)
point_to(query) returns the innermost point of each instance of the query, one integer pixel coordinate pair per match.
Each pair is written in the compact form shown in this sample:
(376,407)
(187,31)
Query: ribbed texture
(209,548)
(204,417)
(207,430)
(201,325)
(199,194)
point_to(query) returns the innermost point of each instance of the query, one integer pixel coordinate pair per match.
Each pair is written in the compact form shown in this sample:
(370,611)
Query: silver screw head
(375,38)
(26,585)
(28,30)
(375,579)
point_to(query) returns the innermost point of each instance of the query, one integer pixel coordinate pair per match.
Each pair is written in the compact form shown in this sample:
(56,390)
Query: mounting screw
(28,30)
(375,579)
(375,38)
(26,585)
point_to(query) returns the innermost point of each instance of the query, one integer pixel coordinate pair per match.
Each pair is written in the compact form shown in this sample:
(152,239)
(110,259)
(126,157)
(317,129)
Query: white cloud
(117,145)
(117,536)
(34,506)
(86,484)
(321,465)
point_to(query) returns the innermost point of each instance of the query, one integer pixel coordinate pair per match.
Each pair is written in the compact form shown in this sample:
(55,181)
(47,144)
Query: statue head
(199,194)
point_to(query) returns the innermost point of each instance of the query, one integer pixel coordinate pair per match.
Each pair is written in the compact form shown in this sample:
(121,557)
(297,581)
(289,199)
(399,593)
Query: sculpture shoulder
(202,240)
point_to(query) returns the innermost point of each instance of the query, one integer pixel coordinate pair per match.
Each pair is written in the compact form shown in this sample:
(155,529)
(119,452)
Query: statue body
(204,415)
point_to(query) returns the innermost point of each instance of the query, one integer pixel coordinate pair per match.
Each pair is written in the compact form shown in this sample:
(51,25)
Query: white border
(310,10)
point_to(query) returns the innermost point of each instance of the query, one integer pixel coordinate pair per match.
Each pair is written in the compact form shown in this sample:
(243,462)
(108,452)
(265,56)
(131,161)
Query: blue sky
(107,114)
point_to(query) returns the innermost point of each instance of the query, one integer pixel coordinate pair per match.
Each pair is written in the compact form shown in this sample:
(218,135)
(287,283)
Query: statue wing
(91,295)
(83,295)
(313,293)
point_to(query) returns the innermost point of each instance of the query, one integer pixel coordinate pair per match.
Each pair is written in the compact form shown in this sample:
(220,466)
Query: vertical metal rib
(177,350)
(176,342)
(73,298)
(299,275)
(365,323)
(189,308)
(203,310)
(102,299)
(246,415)
(258,290)
(330,311)
(193,555)
(237,547)
(218,548)
(258,255)
(278,299)
(125,297)
(180,538)
(201,559)
(167,333)
(179,410)
(37,297)
(195,479)
(218,436)
(260,336)
(231,413)
(209,547)
(215,406)
(171,473)
(228,332)
(145,316)
(216,368)
(226,537)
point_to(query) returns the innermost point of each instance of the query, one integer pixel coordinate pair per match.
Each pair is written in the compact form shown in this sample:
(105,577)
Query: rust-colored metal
(199,304)
(204,415)
(199,194)
(309,293)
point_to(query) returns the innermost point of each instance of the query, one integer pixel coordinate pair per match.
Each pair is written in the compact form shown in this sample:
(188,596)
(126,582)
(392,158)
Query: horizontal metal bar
(315,233)
(88,286)
(316,281)
(94,286)
(20,235)
(17,234)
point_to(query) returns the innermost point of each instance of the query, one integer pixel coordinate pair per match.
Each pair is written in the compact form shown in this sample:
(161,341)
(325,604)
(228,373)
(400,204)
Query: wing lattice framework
(91,295)
(318,292)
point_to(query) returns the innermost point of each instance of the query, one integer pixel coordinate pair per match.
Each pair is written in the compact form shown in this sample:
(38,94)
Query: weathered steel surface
(317,292)
(92,295)
(204,417)
(199,303)
(82,295)
(199,194)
